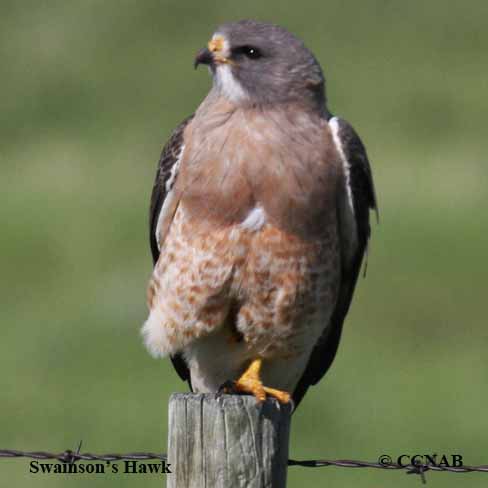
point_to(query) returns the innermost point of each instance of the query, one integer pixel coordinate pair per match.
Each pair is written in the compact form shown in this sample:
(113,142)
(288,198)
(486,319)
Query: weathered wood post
(227,442)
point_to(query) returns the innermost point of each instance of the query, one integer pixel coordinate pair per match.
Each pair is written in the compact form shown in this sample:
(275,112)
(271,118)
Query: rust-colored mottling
(283,274)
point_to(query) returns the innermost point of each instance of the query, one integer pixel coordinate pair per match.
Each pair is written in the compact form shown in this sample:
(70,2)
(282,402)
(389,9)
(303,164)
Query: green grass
(90,91)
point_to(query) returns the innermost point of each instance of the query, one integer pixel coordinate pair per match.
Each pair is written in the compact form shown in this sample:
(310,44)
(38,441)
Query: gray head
(258,63)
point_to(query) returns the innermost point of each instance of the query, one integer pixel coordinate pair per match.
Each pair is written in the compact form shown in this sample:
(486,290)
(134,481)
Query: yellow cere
(216,44)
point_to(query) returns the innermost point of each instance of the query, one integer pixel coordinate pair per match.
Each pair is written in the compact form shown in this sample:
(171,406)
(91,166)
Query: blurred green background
(90,90)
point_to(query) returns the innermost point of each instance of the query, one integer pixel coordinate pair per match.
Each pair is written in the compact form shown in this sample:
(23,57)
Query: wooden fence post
(227,442)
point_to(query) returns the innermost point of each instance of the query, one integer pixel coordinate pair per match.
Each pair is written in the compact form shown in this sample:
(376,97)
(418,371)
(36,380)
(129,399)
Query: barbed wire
(71,457)
(417,468)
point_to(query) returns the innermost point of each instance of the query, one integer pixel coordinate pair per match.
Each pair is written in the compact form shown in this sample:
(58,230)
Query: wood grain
(228,441)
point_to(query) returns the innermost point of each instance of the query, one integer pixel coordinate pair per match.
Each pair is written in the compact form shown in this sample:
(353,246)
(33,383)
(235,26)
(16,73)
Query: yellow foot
(250,382)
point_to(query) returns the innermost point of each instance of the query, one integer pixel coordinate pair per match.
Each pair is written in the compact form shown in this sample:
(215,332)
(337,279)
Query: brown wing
(360,199)
(165,177)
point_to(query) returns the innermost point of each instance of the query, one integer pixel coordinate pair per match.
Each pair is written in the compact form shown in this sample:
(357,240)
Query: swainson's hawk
(259,222)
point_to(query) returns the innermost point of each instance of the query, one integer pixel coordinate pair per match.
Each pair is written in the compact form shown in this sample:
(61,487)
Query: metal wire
(346,463)
(70,456)
(419,469)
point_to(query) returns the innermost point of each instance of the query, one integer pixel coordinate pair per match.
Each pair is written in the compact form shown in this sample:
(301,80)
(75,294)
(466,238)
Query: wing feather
(166,175)
(354,230)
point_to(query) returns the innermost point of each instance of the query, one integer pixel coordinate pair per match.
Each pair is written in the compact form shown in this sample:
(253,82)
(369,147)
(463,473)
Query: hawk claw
(250,383)
(226,388)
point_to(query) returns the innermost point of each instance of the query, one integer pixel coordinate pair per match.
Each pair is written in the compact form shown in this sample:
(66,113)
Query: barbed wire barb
(70,457)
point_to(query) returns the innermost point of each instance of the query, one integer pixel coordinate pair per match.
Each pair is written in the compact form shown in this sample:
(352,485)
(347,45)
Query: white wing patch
(169,195)
(174,171)
(348,220)
(334,125)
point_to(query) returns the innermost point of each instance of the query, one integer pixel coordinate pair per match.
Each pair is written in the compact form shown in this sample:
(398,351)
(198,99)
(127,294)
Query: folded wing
(162,209)
(354,205)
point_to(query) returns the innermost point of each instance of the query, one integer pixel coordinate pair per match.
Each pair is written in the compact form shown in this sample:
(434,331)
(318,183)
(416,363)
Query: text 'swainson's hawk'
(259,222)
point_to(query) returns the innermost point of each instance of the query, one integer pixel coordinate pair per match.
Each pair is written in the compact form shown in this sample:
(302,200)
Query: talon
(250,382)
(228,387)
(280,395)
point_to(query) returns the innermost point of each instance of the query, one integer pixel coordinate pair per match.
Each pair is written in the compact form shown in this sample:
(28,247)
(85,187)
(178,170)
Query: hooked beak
(204,56)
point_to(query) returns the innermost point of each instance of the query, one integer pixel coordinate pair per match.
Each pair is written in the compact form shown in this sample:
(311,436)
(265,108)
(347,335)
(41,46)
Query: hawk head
(257,63)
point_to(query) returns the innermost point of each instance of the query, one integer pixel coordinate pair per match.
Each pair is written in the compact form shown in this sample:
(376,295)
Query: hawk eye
(248,51)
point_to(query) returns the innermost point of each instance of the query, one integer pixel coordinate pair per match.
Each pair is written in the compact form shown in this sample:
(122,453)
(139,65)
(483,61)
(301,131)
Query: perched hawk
(259,222)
